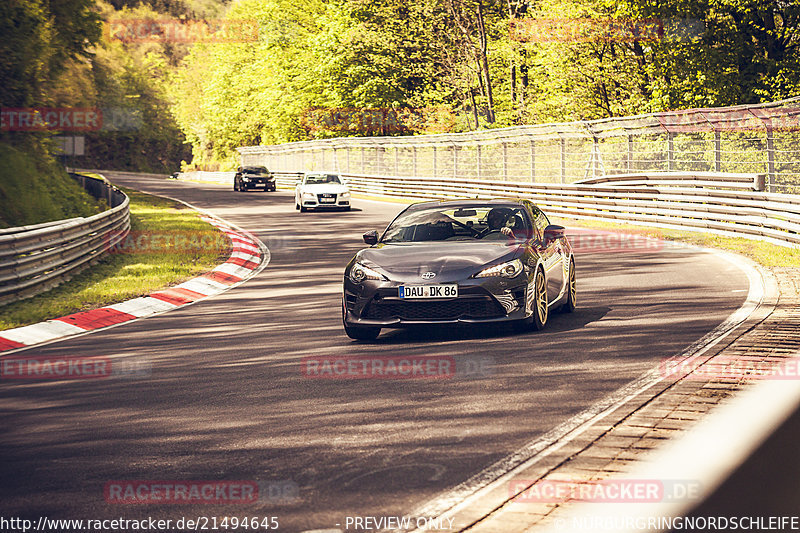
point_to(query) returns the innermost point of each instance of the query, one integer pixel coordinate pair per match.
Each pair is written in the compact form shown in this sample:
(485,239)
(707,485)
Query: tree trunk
(484,61)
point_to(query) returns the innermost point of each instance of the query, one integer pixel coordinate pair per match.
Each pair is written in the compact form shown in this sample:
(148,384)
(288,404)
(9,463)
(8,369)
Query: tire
(541,312)
(297,206)
(235,186)
(572,293)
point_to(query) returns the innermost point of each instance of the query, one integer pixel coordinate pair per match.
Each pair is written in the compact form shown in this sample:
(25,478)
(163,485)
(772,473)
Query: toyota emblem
(429,275)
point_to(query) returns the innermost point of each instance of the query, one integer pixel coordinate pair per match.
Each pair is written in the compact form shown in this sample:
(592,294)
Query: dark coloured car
(460,262)
(250,177)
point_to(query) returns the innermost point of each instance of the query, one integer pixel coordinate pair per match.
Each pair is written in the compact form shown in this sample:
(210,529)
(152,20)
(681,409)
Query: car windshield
(254,170)
(317,179)
(467,223)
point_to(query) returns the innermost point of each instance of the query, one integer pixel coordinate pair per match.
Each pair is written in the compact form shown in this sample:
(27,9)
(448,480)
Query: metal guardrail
(724,204)
(758,139)
(36,258)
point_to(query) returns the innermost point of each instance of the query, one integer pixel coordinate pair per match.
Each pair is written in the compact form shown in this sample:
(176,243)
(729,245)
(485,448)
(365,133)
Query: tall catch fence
(759,139)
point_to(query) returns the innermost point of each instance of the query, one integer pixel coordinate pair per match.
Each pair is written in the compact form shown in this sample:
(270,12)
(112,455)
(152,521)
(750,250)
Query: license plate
(327,200)
(428,291)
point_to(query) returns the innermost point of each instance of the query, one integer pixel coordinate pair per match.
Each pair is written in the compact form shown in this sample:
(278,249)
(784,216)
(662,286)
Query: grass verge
(763,253)
(34,189)
(168,244)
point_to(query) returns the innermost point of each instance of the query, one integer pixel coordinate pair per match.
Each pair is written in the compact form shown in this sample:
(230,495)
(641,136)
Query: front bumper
(335,201)
(484,300)
(256,181)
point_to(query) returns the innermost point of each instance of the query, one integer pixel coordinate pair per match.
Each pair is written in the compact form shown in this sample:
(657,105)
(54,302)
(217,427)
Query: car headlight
(308,196)
(360,272)
(510,269)
(344,195)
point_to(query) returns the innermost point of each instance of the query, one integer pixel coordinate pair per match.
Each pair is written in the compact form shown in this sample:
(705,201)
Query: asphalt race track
(226,400)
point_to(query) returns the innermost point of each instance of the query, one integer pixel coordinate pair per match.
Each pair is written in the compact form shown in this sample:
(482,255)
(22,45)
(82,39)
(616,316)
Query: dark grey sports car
(465,261)
(248,177)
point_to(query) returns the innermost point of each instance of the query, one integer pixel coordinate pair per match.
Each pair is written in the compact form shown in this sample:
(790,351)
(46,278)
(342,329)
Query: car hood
(450,261)
(335,188)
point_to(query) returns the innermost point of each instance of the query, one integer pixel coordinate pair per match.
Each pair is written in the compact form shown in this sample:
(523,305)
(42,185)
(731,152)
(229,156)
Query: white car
(321,190)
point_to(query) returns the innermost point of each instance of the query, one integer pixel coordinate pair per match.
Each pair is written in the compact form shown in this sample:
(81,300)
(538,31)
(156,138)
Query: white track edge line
(463,494)
(261,246)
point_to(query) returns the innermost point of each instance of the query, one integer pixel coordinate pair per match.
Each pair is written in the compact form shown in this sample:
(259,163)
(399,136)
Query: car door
(552,257)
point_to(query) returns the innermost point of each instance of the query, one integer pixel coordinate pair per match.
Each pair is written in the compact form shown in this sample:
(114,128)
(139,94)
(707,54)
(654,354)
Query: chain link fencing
(762,138)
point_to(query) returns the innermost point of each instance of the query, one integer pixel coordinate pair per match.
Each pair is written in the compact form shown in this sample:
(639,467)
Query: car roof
(468,202)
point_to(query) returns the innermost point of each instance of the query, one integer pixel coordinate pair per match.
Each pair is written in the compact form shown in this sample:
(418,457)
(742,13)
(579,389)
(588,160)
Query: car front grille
(482,307)
(326,195)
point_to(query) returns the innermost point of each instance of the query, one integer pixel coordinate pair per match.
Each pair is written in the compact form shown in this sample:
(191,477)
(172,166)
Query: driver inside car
(504,220)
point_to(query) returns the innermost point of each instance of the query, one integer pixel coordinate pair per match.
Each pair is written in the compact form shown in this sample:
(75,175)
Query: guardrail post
(533,161)
(563,160)
(505,162)
(478,157)
(759,182)
(771,159)
(455,160)
(717,151)
(629,165)
(670,151)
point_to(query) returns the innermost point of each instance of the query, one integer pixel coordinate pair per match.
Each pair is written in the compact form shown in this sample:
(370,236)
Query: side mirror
(371,237)
(553,232)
